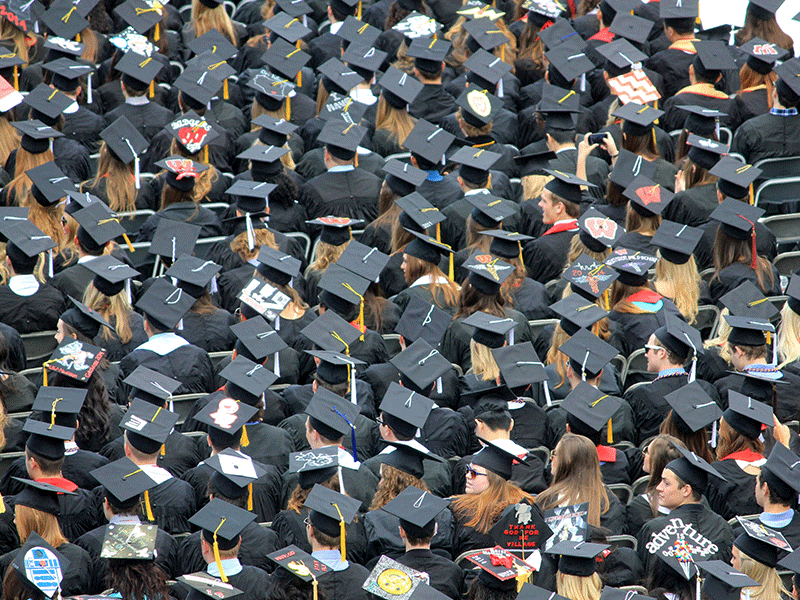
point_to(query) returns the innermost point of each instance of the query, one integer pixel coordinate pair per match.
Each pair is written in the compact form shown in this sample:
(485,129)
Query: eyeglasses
(473,473)
(654,348)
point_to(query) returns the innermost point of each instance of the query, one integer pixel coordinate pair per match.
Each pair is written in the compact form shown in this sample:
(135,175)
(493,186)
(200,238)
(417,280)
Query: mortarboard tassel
(205,155)
(547,393)
(216,552)
(359,18)
(251,244)
(152,90)
(610,433)
(44,374)
(352,384)
(50,252)
(451,271)
(438,233)
(245,440)
(714,435)
(89,88)
(163,451)
(352,431)
(289,103)
(314,586)
(750,193)
(277,370)
(521,260)
(250,496)
(157,32)
(136,173)
(225,93)
(16,79)
(2,505)
(439,385)
(342,533)
(147,507)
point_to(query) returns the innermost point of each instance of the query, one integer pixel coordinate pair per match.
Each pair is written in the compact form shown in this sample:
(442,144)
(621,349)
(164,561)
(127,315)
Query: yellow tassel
(225,93)
(128,241)
(44,375)
(147,507)
(750,192)
(289,108)
(163,450)
(299,79)
(522,578)
(606,299)
(503,53)
(78,37)
(205,154)
(609,433)
(157,33)
(359,11)
(250,496)
(245,440)
(314,585)
(438,233)
(16,79)
(216,553)
(53,413)
(521,261)
(2,505)
(653,131)
(342,533)
(451,271)
(152,89)
(355,159)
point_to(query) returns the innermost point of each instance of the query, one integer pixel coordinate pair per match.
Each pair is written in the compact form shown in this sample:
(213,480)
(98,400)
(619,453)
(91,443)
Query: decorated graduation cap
(399,88)
(648,198)
(597,231)
(226,419)
(335,230)
(125,143)
(129,541)
(676,242)
(428,53)
(566,186)
(631,265)
(588,353)
(761,543)
(487,273)
(589,411)
(692,470)
(762,56)
(138,72)
(423,320)
(331,512)
(222,524)
(192,132)
(164,305)
(497,459)
(490,210)
(429,143)
(333,416)
(420,365)
(405,410)
(628,167)
(314,465)
(417,214)
(705,152)
(500,569)
(490,330)
(174,238)
(40,567)
(124,482)
(417,510)
(408,456)
(638,119)
(693,409)
(589,277)
(747,416)
(577,312)
(417,25)
(735,179)
(577,558)
(203,585)
(392,580)
(40,495)
(722,581)
(181,172)
(300,564)
(533,592)
(74,359)
(147,426)
(403,178)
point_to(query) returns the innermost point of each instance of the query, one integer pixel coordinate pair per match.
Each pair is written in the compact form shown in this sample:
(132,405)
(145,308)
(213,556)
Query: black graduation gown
(441,193)
(544,257)
(269,445)
(638,327)
(323,48)
(693,206)
(148,119)
(433,103)
(673,64)
(84,127)
(767,136)
(77,579)
(423,292)
(766,244)
(346,583)
(186,212)
(650,408)
(597,170)
(748,103)
(19,397)
(291,529)
(455,345)
(29,314)
(188,364)
(709,536)
(531,478)
(436,474)
(266,491)
(735,496)
(377,236)
(783,398)
(257,542)
(701,94)
(180,453)
(252,581)
(736,274)
(383,536)
(73,281)
(379,377)
(638,512)
(531,299)
(351,194)
(297,397)
(92,542)
(791,532)
(16,348)
(115,349)
(210,332)
(445,575)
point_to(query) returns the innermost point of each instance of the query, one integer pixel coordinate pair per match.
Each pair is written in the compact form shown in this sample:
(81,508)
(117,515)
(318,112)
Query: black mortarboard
(588,353)
(138,71)
(421,364)
(484,33)
(407,410)
(124,140)
(566,186)
(331,332)
(577,558)
(174,238)
(692,469)
(620,54)
(506,244)
(747,416)
(299,563)
(139,15)
(632,266)
(519,365)
(647,198)
(793,293)
(705,152)
(251,376)
(271,89)
(792,561)
(639,119)
(490,210)
(364,59)
(402,177)
(597,231)
(197,85)
(713,55)
(499,568)
(67,73)
(342,108)
(110,274)
(164,304)
(735,178)
(630,27)
(532,592)
(748,331)
(46,439)
(428,53)
(251,196)
(762,56)
(193,274)
(151,386)
(98,226)
(40,567)
(399,88)
(341,139)
(338,77)
(417,208)
(74,359)
(408,456)
(534,159)
(478,106)
(335,368)
(415,507)
(487,273)
(588,408)
(423,320)
(234,471)
(569,61)
(561,32)
(277,267)
(147,425)
(475,163)
(779,471)
(347,288)
(428,141)
(676,242)
(496,458)
(40,495)
(288,27)
(123,482)
(209,587)
(722,581)
(761,543)
(737,218)
(222,524)
(192,131)
(702,121)
(490,330)
(577,312)
(283,58)
(487,67)
(58,402)
(678,9)
(314,465)
(84,319)
(559,107)
(354,31)
(329,509)
(215,43)
(49,183)
(347,7)
(747,300)
(258,337)
(331,415)
(273,132)
(363,260)
(628,167)
(589,277)
(426,248)
(693,407)
(129,541)
(25,242)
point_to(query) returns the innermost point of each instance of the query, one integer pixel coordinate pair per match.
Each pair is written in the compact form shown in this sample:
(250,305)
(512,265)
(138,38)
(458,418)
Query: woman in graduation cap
(392,121)
(757,557)
(760,22)
(29,46)
(29,153)
(756,81)
(695,187)
(207,15)
(425,279)
(333,239)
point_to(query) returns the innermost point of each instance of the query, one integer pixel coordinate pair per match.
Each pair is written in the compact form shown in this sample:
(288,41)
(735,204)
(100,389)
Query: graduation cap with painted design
(597,231)
(392,580)
(210,587)
(762,543)
(314,465)
(147,426)
(40,567)
(417,25)
(235,472)
(299,563)
(648,198)
(589,278)
(74,359)
(499,568)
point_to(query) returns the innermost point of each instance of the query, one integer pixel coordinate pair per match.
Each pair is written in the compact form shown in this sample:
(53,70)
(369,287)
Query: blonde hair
(116,309)
(721,341)
(286,160)
(577,247)
(204,19)
(396,121)
(484,366)
(48,219)
(256,110)
(25,161)
(533,185)
(771,587)
(9,138)
(120,182)
(679,283)
(788,336)
(579,588)
(326,255)
(260,237)
(20,39)
(46,525)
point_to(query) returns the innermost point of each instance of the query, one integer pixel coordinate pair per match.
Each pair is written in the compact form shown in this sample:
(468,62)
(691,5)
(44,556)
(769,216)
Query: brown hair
(205,180)
(25,161)
(299,494)
(396,121)
(662,449)
(643,145)
(416,268)
(116,309)
(766,29)
(326,255)
(750,80)
(471,300)
(22,41)
(138,579)
(120,182)
(731,441)
(620,292)
(481,511)
(641,224)
(9,137)
(696,442)
(46,525)
(728,250)
(261,237)
(48,219)
(393,481)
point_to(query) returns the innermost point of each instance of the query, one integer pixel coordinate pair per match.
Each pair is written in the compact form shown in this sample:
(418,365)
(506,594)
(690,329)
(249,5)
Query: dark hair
(7,386)
(49,467)
(562,136)
(728,250)
(287,192)
(93,420)
(240,502)
(14,589)
(137,580)
(471,300)
(479,591)
(682,26)
(496,419)
(774,495)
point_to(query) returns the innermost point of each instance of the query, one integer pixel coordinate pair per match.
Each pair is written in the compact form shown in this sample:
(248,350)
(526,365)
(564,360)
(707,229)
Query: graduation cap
(692,469)
(399,88)
(648,198)
(631,265)
(713,56)
(705,152)
(597,231)
(793,293)
(343,108)
(621,56)
(123,482)
(337,77)
(271,89)
(475,9)
(405,410)
(129,541)
(335,368)
(193,274)
(761,543)
(478,106)
(283,58)
(426,248)
(49,183)
(98,226)
(110,274)
(408,456)
(84,319)
(418,214)
(254,378)
(11,216)
(487,273)
(331,332)
(192,131)
(780,471)
(402,177)
(392,580)
(676,242)
(638,118)
(417,510)
(209,587)
(222,524)
(588,277)
(534,159)
(722,581)
(428,53)
(181,172)
(36,135)
(354,31)
(333,416)
(678,9)
(747,416)
(490,210)
(47,439)
(789,74)
(499,568)
(139,15)
(519,365)
(533,592)
(417,25)
(277,267)
(735,179)
(151,386)
(74,359)
(494,457)
(235,472)
(589,410)
(484,33)
(521,527)
(299,563)
(737,219)
(59,46)
(703,121)
(138,72)
(197,86)
(547,10)
(331,512)
(273,132)
(475,163)
(561,33)
(423,320)
(566,186)
(488,69)
(577,312)
(67,73)
(164,305)
(40,496)
(364,59)
(25,242)
(147,425)
(490,330)
(363,260)
(341,139)
(290,28)
(214,42)
(63,19)
(128,40)
(60,405)
(420,365)
(681,339)
(559,107)
(630,27)
(340,289)
(628,167)
(429,142)
(125,142)
(588,353)
(577,558)
(765,9)
(258,338)
(569,61)
(40,567)
(506,244)
(746,300)
(693,407)
(314,465)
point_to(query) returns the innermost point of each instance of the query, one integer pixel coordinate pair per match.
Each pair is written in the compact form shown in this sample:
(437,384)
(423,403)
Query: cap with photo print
(420,364)
(705,152)
(58,46)
(589,410)
(138,72)
(735,179)
(45,439)
(630,27)
(341,139)
(151,386)
(364,60)
(164,305)
(676,242)
(519,365)
(49,184)
(496,458)
(399,88)
(284,58)
(747,416)
(287,26)
(408,456)
(428,141)
(561,33)
(314,465)
(648,198)
(428,53)
(487,67)
(499,568)
(417,213)
(36,135)
(761,543)
(490,210)
(84,319)
(632,266)
(570,62)
(678,9)
(638,119)
(693,470)
(74,359)
(402,177)
(534,159)
(40,567)
(147,426)
(628,167)
(354,31)
(478,106)
(484,33)
(258,337)
(781,471)
(235,472)
(566,186)
(139,15)
(110,274)
(487,273)
(129,541)
(577,312)
(124,140)
(222,524)
(330,511)
(299,563)
(589,277)
(490,330)
(252,377)
(577,558)
(588,353)
(40,495)
(416,509)
(192,131)
(67,73)
(722,581)
(702,121)
(713,56)
(417,25)
(693,407)
(331,415)
(597,231)
(215,43)
(423,320)
(331,332)
(737,218)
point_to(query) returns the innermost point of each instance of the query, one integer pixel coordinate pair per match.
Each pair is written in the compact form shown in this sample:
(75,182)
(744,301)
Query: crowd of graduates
(398,299)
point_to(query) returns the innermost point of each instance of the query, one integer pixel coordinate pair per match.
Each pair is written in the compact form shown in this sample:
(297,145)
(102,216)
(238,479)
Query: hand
(780,432)
(610,146)
(584,147)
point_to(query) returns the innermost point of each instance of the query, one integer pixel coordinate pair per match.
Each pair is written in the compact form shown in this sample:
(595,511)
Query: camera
(597,138)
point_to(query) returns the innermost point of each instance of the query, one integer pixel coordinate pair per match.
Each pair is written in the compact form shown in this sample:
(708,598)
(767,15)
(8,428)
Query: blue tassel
(352,432)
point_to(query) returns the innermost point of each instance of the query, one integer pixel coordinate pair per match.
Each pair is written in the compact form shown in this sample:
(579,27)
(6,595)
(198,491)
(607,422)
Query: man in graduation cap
(681,490)
(776,133)
(668,349)
(428,145)
(329,44)
(434,102)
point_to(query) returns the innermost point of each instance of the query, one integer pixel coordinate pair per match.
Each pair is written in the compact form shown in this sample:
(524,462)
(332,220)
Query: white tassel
(439,385)
(180,325)
(277,324)
(136,171)
(277,364)
(353,385)
(89,89)
(511,338)
(714,435)
(51,144)
(171,405)
(251,244)
(583,83)
(547,393)
(128,291)
(50,252)
(214,288)
(341,481)
(500,88)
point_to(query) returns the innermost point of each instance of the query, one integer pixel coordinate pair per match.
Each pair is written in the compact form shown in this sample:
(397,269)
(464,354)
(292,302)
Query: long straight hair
(396,121)
(119,178)
(416,268)
(728,250)
(683,282)
(204,19)
(789,336)
(115,309)
(481,511)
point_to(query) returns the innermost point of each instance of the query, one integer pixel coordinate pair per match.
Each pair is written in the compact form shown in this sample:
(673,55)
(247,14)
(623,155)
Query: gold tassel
(503,53)
(299,78)
(2,505)
(342,533)
(522,578)
(152,89)
(245,440)
(289,107)
(44,375)
(438,233)
(157,33)
(653,131)
(216,553)
(53,412)
(147,507)
(750,192)
(225,93)
(250,496)
(314,585)
(521,261)
(609,433)
(128,241)
(359,10)
(355,159)
(78,37)
(163,450)
(16,79)
(451,271)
